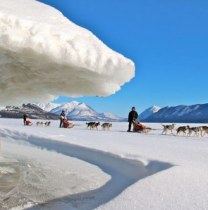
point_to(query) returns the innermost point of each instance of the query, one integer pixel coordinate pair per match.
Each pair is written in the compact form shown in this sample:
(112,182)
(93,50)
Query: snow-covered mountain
(75,110)
(48,106)
(80,111)
(34,112)
(195,113)
(113,117)
(148,112)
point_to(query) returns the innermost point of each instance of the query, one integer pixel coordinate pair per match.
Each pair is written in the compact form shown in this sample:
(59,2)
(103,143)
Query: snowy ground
(56,168)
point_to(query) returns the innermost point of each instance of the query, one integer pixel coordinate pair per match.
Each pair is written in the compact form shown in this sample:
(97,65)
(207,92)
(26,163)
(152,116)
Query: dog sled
(67,124)
(140,128)
(28,122)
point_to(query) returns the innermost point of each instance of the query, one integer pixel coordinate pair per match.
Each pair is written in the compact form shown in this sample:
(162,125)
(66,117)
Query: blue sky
(167,40)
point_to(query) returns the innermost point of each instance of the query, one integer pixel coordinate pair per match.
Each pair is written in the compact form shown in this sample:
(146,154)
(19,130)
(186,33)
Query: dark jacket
(132,115)
(63,114)
(25,116)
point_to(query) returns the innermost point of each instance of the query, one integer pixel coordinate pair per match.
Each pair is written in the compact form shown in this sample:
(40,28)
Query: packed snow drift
(44,55)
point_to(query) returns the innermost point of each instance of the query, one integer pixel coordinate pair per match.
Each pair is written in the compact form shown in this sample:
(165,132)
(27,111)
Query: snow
(86,169)
(48,106)
(193,113)
(148,112)
(79,111)
(44,55)
(75,109)
(113,116)
(68,107)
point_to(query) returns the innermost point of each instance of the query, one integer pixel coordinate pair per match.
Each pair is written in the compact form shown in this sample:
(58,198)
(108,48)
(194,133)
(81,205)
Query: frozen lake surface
(79,168)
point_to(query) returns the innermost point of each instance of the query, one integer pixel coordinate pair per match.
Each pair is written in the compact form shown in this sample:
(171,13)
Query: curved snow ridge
(42,49)
(123,172)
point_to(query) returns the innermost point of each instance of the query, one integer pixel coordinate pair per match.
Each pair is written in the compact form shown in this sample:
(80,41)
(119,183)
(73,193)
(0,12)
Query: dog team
(105,126)
(185,130)
(43,123)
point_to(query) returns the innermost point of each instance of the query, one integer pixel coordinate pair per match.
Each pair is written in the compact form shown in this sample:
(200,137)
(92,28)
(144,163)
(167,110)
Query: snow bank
(44,55)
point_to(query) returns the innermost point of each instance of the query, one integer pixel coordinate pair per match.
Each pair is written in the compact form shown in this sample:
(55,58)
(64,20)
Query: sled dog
(43,123)
(204,130)
(95,125)
(106,126)
(167,128)
(39,123)
(47,123)
(182,129)
(195,130)
(90,124)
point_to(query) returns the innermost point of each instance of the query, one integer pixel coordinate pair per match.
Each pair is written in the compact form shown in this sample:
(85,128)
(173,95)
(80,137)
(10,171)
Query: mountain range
(74,111)
(34,112)
(148,112)
(180,114)
(79,111)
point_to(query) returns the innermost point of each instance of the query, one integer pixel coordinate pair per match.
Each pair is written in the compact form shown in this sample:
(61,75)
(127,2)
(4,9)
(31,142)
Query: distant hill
(34,112)
(185,114)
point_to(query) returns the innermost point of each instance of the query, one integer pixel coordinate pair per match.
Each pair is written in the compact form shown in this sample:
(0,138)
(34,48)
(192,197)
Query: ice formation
(44,55)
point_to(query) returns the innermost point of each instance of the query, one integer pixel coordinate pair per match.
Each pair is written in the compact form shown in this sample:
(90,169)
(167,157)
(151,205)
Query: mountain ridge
(80,111)
(197,113)
(34,112)
(74,111)
(148,112)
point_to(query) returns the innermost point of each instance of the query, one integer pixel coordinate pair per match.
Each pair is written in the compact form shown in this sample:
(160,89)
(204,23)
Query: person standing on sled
(133,115)
(62,117)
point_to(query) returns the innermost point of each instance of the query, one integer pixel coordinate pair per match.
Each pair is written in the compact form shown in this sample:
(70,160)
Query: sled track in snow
(123,172)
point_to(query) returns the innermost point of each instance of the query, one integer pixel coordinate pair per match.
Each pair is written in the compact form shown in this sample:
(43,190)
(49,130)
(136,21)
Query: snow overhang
(44,55)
